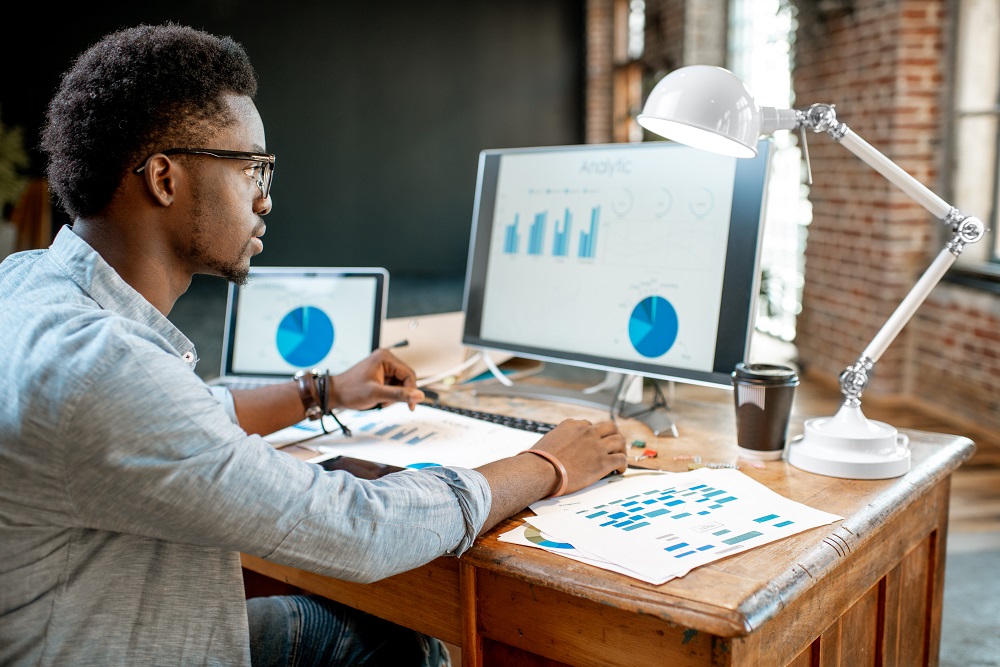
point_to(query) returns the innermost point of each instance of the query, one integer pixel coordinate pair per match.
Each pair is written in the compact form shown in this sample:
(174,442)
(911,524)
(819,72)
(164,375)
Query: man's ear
(161,179)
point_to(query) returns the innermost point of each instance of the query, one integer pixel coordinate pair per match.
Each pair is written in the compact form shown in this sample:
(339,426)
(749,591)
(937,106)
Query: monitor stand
(611,394)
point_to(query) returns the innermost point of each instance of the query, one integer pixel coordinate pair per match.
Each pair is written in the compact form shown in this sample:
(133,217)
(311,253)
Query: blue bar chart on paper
(411,435)
(421,438)
(666,525)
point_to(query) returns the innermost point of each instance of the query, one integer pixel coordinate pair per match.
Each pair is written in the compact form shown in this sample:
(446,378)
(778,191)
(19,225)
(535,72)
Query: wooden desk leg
(472,642)
(936,577)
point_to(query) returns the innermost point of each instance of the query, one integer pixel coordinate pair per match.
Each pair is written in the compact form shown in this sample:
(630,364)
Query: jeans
(308,630)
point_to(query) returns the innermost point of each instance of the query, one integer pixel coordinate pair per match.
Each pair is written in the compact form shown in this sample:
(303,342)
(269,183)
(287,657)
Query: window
(760,53)
(974,177)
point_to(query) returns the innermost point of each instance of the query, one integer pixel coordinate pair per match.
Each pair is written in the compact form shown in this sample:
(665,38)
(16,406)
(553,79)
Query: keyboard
(503,420)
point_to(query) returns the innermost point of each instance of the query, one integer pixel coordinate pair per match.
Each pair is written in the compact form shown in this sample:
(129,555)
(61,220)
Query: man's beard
(235,271)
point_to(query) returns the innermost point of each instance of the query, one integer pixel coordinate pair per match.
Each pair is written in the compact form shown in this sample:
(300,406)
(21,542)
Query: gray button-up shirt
(127,491)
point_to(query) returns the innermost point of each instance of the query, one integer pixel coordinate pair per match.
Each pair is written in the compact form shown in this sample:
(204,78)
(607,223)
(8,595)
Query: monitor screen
(287,318)
(634,258)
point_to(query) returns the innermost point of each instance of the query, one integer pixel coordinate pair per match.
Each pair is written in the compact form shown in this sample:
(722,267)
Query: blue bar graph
(511,238)
(560,237)
(386,430)
(536,234)
(741,538)
(588,240)
(410,435)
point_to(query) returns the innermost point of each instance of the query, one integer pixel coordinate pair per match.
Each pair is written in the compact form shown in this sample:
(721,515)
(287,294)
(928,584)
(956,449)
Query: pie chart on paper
(305,336)
(535,536)
(652,326)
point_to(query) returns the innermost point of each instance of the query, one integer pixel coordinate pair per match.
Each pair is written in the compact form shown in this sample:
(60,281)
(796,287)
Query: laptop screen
(286,319)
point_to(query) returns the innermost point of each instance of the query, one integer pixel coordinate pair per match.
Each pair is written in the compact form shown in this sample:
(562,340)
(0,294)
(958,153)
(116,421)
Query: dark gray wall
(377,110)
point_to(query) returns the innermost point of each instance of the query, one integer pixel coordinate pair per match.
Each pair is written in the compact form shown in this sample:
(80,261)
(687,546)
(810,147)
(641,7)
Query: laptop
(285,319)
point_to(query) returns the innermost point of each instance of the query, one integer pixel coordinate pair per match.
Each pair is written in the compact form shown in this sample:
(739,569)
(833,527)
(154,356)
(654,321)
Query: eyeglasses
(262,172)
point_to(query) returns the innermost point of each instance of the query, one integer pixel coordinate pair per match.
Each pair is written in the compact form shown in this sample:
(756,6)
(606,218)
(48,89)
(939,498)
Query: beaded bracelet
(562,477)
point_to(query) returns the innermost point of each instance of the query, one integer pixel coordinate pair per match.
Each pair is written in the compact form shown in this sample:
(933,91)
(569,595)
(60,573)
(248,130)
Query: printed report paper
(422,438)
(663,526)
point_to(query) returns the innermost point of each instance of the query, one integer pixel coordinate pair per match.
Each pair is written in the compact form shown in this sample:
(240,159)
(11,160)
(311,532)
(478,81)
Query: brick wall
(883,65)
(684,32)
(956,356)
(599,69)
(705,32)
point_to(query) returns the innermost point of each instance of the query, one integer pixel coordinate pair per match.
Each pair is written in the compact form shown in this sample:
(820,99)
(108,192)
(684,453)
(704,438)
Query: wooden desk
(865,590)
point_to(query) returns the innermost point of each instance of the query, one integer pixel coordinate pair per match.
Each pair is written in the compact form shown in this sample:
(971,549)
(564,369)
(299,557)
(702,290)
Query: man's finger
(400,372)
(606,428)
(400,394)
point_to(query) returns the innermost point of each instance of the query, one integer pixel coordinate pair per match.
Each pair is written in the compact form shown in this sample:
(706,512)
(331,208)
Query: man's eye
(254,170)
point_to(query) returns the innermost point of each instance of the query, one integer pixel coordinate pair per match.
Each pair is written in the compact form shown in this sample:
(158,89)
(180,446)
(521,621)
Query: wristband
(562,477)
(314,390)
(309,394)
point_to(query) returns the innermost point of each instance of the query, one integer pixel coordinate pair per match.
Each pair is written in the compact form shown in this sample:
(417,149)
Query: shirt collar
(87,268)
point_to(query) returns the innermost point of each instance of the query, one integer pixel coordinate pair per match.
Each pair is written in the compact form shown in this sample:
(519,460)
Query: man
(127,487)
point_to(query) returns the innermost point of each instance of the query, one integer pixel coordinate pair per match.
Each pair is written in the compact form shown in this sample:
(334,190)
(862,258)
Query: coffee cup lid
(766,373)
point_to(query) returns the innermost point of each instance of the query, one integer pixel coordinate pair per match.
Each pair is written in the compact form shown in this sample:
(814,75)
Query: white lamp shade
(706,107)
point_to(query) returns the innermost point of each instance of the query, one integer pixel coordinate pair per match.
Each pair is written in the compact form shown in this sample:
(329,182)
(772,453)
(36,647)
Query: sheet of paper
(663,526)
(574,500)
(418,439)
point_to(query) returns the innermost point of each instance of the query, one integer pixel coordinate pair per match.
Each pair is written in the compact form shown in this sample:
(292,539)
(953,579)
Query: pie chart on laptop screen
(305,336)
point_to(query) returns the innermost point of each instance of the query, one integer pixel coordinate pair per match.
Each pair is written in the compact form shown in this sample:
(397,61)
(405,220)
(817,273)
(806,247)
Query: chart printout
(664,526)
(625,233)
(419,439)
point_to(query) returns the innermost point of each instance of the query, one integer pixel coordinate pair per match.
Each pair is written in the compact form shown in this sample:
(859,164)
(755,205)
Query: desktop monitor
(640,259)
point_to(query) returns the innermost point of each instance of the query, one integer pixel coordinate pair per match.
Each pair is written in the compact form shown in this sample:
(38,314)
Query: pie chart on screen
(305,336)
(652,326)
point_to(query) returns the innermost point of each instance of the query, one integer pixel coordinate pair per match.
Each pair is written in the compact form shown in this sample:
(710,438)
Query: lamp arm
(965,229)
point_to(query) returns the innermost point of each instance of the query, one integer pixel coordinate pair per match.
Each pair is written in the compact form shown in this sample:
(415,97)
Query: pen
(402,343)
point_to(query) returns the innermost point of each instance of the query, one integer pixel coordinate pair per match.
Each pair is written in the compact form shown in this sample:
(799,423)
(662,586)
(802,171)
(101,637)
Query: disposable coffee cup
(763,394)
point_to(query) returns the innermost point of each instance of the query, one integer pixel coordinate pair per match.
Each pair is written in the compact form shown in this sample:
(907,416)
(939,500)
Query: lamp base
(850,446)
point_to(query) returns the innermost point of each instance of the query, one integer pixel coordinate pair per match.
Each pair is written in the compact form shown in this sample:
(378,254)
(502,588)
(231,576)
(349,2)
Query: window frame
(979,264)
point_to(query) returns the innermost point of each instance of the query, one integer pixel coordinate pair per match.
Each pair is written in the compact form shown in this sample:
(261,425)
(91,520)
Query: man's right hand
(588,451)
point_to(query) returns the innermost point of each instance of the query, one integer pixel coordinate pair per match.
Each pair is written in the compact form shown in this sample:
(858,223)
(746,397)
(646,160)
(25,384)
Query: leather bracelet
(562,477)
(324,402)
(309,394)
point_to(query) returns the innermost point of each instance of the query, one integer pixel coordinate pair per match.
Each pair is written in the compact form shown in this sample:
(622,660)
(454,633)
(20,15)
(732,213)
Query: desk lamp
(710,108)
